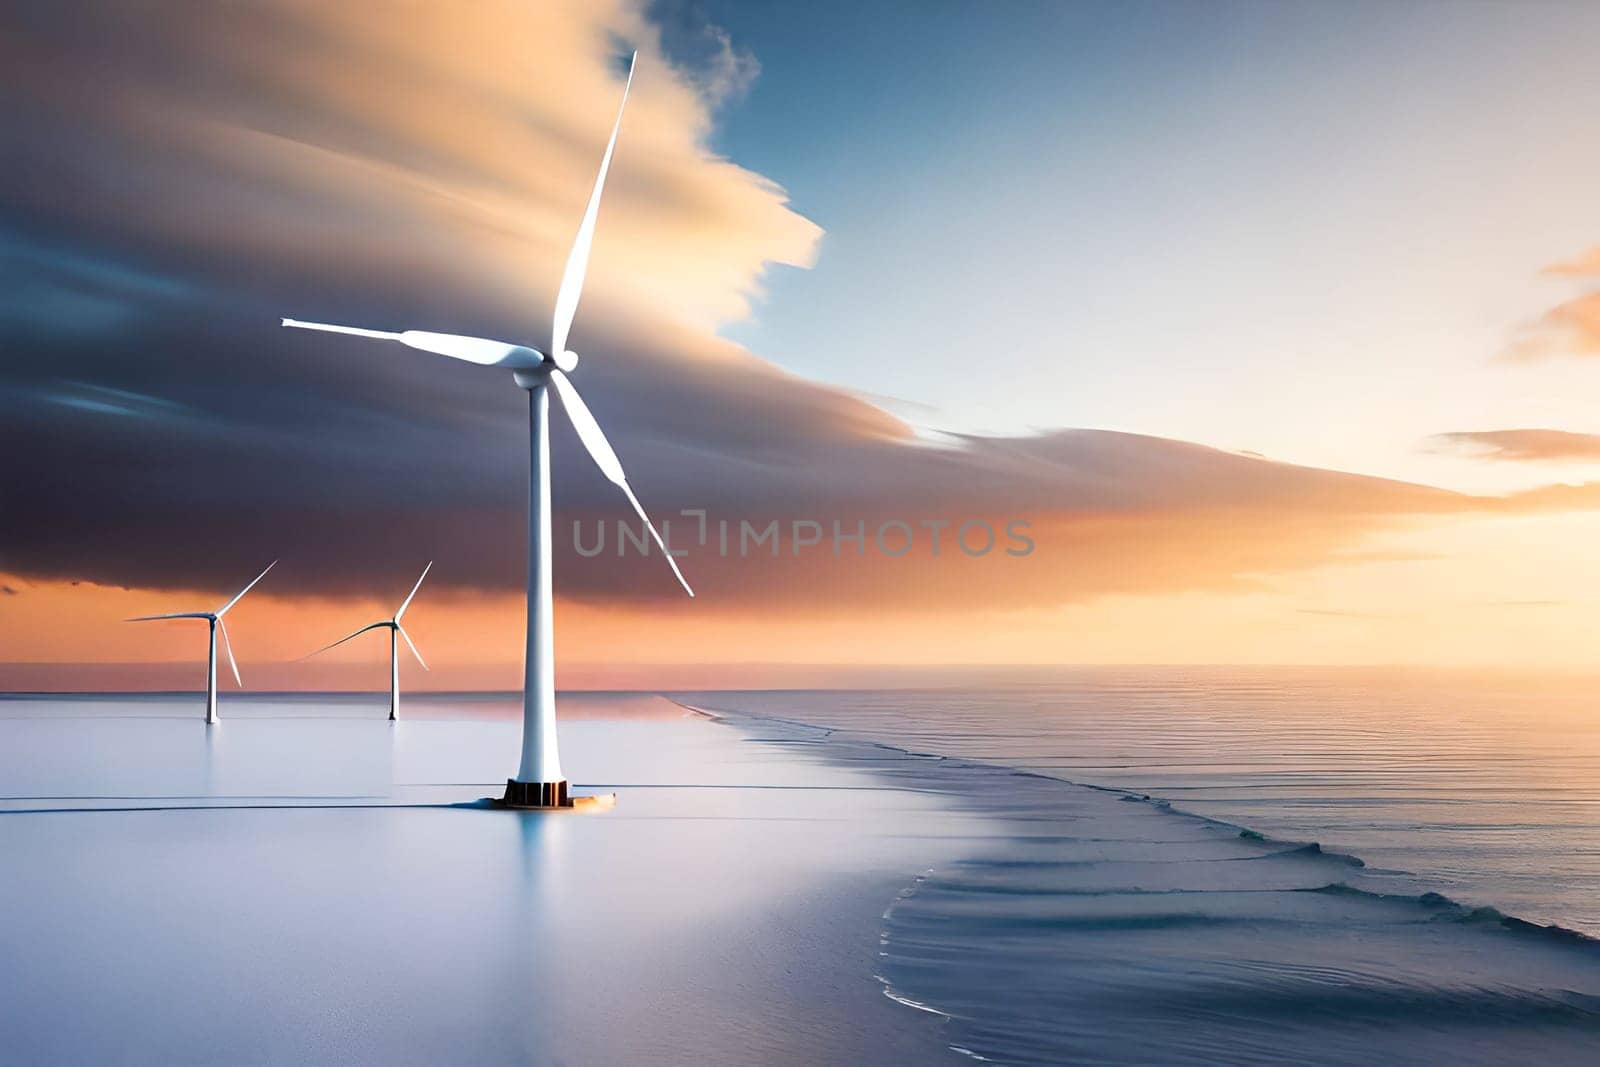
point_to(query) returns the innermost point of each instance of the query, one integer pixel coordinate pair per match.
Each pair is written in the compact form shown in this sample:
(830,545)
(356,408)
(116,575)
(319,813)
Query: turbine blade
(413,593)
(673,563)
(605,457)
(224,609)
(354,331)
(414,651)
(228,647)
(342,640)
(578,258)
(479,350)
(174,615)
(583,420)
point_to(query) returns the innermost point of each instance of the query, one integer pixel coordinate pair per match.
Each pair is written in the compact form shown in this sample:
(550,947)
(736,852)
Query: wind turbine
(394,627)
(215,619)
(540,782)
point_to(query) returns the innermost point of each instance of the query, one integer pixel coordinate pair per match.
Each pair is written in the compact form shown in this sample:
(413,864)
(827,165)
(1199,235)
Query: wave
(1445,908)
(1095,924)
(1287,849)
(1433,901)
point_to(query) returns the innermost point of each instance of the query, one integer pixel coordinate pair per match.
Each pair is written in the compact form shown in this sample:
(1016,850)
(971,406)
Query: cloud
(206,176)
(1586,264)
(1528,445)
(722,70)
(435,164)
(1571,327)
(731,70)
(1365,616)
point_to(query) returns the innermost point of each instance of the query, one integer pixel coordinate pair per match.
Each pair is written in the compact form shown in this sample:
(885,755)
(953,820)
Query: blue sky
(1174,218)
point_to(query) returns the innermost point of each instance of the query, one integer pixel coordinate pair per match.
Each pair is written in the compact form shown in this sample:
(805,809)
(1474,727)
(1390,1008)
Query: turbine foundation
(537,794)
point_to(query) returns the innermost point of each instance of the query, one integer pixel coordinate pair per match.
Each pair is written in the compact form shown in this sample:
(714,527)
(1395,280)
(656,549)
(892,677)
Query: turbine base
(536,794)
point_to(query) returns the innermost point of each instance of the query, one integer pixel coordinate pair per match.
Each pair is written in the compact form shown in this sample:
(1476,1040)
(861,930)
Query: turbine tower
(540,781)
(394,628)
(215,619)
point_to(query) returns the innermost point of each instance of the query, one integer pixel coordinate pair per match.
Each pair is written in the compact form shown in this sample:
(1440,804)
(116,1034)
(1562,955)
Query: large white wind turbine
(394,628)
(215,619)
(540,782)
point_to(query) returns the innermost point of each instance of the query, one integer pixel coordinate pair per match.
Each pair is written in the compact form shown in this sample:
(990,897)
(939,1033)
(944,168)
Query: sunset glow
(1250,407)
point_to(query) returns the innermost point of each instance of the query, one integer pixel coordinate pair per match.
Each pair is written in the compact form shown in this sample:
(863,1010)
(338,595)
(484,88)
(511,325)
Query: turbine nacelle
(534,377)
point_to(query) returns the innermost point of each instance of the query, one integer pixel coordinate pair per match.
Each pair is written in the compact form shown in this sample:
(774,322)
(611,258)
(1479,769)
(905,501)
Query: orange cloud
(1527,445)
(445,143)
(1570,328)
(1586,264)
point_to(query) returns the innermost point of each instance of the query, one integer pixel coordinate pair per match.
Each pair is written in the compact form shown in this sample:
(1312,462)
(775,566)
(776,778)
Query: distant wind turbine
(215,619)
(394,627)
(540,782)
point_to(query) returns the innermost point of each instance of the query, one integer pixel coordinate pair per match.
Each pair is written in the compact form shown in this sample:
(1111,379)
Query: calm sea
(1094,866)
(1485,785)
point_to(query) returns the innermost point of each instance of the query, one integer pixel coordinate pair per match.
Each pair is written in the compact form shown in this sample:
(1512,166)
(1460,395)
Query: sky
(1274,326)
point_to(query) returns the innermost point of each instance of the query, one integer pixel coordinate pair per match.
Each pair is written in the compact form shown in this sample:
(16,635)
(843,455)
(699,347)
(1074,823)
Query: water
(1485,784)
(307,883)
(1270,866)
(760,888)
